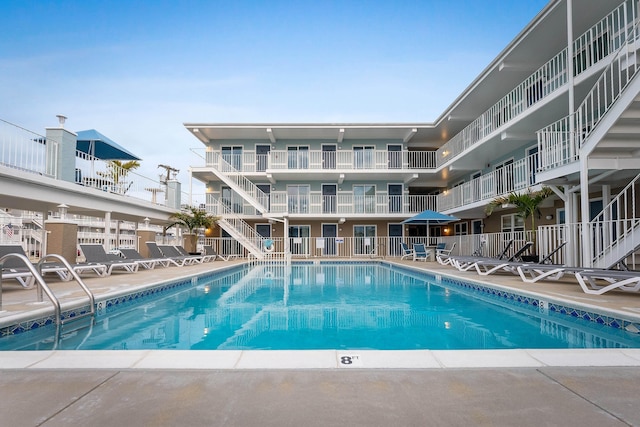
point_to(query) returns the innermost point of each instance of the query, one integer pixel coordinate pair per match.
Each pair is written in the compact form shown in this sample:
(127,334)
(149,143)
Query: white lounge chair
(599,281)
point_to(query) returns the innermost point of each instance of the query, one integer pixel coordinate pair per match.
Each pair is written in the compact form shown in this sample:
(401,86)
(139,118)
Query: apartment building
(556,108)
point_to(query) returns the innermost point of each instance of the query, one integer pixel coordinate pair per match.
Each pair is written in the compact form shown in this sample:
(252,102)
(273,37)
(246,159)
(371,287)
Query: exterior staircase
(240,231)
(616,229)
(238,182)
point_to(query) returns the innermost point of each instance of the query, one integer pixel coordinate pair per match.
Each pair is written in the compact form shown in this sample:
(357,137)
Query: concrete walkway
(460,397)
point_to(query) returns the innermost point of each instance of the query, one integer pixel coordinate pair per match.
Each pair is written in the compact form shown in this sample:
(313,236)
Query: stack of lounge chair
(594,281)
(16,267)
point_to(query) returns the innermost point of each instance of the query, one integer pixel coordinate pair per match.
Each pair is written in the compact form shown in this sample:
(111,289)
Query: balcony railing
(590,48)
(344,203)
(250,162)
(513,177)
(560,142)
(376,246)
(28,151)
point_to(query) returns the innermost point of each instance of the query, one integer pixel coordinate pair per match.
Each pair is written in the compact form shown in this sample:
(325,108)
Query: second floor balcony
(344,203)
(301,158)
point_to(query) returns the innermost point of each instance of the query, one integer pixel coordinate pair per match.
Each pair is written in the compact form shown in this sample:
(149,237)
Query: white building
(555,108)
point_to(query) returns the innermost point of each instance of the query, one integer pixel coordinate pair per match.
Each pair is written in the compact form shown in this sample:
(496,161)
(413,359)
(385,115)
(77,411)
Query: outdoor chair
(179,261)
(174,253)
(211,254)
(406,251)
(599,281)
(95,253)
(148,263)
(489,266)
(420,252)
(15,268)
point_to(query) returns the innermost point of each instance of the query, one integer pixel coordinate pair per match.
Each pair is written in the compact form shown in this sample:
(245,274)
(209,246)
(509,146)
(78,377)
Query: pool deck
(291,388)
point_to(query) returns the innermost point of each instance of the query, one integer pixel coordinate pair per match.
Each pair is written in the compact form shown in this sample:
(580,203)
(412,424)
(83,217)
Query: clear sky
(137,70)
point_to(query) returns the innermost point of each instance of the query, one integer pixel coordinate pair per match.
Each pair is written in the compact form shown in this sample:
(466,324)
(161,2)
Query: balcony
(330,165)
(345,203)
(590,49)
(513,177)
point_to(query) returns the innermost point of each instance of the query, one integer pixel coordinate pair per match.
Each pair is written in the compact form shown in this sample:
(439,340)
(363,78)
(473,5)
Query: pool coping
(315,359)
(321,359)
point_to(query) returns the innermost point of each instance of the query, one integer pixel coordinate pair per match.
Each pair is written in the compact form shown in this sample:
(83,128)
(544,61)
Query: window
(460,229)
(298,198)
(363,157)
(364,198)
(512,223)
(298,157)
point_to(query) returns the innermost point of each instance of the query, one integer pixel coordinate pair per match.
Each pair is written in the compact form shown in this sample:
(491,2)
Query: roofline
(498,59)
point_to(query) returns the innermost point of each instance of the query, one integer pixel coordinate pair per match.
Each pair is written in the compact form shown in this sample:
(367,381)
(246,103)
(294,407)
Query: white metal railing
(559,143)
(107,176)
(28,151)
(604,37)
(599,235)
(589,48)
(513,177)
(542,83)
(375,246)
(244,233)
(347,203)
(351,160)
(618,222)
(236,177)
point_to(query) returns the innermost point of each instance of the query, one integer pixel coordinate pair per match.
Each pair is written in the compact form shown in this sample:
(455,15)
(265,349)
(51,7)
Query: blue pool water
(327,306)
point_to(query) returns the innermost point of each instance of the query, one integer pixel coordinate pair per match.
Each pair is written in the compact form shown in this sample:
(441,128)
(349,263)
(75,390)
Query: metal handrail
(75,275)
(38,278)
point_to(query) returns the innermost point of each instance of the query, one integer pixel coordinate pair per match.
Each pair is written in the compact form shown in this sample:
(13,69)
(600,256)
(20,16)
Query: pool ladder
(35,271)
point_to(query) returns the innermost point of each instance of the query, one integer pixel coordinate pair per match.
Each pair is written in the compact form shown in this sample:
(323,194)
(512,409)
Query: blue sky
(137,70)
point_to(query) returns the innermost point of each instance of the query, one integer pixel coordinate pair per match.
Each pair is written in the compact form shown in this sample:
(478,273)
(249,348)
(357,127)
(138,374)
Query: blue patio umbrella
(430,217)
(96,144)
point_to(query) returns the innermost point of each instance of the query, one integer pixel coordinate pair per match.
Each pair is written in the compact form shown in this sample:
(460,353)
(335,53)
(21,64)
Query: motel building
(557,109)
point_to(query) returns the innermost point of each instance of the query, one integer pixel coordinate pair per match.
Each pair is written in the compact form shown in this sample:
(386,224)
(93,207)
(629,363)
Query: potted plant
(192,219)
(527,205)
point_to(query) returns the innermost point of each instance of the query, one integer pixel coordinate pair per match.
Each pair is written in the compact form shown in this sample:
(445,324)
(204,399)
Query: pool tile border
(108,304)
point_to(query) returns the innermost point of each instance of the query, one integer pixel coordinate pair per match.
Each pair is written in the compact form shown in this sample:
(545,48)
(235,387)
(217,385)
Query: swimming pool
(330,306)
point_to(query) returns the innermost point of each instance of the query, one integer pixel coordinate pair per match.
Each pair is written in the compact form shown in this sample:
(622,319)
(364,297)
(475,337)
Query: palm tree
(192,219)
(527,205)
(118,170)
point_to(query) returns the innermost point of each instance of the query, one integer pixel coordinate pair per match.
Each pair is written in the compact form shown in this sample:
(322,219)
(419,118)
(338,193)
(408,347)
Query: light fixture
(62,210)
(548,217)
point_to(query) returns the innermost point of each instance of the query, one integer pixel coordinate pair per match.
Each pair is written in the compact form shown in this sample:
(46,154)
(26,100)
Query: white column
(570,73)
(584,212)
(107,231)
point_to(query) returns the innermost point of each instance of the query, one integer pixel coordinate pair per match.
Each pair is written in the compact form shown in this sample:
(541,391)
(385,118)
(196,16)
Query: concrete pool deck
(487,387)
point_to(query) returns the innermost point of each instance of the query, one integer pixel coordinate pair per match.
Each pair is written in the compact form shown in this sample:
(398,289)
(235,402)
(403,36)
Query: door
(364,239)
(329,195)
(266,189)
(329,234)
(299,239)
(504,177)
(395,198)
(233,156)
(532,164)
(262,157)
(394,156)
(395,238)
(328,156)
